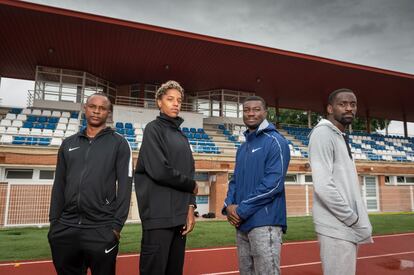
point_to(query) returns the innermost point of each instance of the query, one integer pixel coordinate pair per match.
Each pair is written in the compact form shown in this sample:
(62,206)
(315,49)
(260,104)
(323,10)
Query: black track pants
(162,251)
(76,249)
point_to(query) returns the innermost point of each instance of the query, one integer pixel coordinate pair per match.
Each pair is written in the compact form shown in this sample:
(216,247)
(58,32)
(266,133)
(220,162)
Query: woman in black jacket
(165,187)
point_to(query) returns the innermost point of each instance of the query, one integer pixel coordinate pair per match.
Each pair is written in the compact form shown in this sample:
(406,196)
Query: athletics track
(389,254)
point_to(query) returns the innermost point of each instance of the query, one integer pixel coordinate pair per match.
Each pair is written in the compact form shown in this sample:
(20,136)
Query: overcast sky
(378,33)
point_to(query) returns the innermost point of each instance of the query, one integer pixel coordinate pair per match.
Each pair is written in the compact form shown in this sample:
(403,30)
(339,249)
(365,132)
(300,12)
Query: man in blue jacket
(255,202)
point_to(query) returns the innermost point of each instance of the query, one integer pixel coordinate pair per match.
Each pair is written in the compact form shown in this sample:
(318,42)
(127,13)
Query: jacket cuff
(117,227)
(192,184)
(351,220)
(240,213)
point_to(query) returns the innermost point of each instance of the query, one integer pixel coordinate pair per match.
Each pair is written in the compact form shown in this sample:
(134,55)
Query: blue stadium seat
(42,119)
(134,145)
(120,131)
(38,126)
(28,124)
(128,125)
(200,130)
(129,132)
(32,141)
(193,130)
(186,130)
(207,149)
(119,125)
(16,111)
(44,141)
(130,138)
(51,126)
(74,115)
(31,118)
(53,120)
(18,140)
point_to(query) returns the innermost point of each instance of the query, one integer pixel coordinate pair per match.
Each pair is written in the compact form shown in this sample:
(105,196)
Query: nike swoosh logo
(110,249)
(72,149)
(254,150)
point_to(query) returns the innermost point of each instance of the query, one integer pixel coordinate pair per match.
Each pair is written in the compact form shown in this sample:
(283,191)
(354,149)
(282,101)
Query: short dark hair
(256,98)
(111,108)
(333,95)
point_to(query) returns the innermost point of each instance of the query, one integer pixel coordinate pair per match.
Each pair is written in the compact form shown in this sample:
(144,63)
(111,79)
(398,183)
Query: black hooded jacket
(164,174)
(93,181)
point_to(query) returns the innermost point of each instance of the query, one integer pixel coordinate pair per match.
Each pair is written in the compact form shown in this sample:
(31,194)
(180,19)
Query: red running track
(389,254)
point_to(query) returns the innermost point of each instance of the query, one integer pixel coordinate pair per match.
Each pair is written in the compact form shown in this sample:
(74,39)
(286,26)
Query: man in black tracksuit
(165,187)
(91,195)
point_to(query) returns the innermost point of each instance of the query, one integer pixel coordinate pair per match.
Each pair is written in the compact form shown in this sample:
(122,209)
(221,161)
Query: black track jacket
(93,181)
(164,175)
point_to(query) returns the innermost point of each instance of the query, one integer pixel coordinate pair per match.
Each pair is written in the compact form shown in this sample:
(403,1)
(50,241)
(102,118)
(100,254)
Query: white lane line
(315,263)
(204,250)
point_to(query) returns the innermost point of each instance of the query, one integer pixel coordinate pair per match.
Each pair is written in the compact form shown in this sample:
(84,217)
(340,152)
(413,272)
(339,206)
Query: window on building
(308,178)
(291,178)
(135,89)
(201,176)
(19,173)
(201,200)
(46,174)
(399,180)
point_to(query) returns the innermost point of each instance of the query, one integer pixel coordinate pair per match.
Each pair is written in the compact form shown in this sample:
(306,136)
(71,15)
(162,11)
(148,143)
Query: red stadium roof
(125,52)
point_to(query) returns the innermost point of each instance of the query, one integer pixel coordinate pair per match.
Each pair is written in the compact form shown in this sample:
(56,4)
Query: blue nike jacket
(258,183)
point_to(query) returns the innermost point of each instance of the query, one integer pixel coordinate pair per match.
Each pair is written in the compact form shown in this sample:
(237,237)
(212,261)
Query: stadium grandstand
(70,55)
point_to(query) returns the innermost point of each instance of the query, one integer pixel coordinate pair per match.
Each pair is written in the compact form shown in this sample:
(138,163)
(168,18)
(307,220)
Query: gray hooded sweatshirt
(338,209)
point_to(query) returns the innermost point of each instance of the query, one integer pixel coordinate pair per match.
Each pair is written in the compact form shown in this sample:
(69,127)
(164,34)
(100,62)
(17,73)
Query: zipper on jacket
(81,179)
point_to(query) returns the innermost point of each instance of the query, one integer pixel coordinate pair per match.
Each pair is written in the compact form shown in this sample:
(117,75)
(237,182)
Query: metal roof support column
(309,119)
(221,104)
(405,126)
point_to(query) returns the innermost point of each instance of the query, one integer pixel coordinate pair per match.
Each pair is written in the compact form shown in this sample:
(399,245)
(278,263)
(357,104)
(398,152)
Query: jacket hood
(326,123)
(265,126)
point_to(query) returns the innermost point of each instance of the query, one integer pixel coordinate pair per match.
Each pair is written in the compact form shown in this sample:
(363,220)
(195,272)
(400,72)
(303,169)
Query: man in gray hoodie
(339,213)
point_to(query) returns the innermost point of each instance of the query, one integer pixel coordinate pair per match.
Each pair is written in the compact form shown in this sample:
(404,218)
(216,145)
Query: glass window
(387,179)
(135,89)
(46,175)
(409,179)
(291,178)
(201,199)
(200,176)
(400,179)
(19,173)
(308,178)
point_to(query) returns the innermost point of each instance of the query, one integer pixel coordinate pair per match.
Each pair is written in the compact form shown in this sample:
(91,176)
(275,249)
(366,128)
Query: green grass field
(31,243)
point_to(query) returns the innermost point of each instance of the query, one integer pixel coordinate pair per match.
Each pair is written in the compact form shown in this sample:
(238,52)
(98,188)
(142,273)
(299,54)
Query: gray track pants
(338,256)
(259,250)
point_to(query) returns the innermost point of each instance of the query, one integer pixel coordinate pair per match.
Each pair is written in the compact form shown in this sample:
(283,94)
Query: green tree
(294,117)
(300,118)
